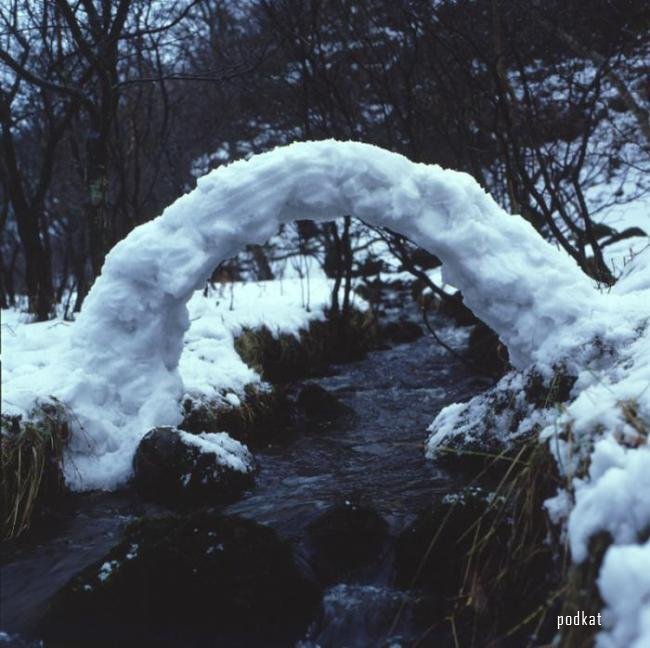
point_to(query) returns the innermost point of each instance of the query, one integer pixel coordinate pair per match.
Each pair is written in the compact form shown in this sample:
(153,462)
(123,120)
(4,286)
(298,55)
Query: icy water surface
(374,454)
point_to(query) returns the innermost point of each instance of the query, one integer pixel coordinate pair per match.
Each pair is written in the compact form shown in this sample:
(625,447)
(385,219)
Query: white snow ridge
(118,368)
(123,376)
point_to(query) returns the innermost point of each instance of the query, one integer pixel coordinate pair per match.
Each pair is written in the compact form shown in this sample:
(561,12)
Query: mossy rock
(264,416)
(432,552)
(169,468)
(201,580)
(318,405)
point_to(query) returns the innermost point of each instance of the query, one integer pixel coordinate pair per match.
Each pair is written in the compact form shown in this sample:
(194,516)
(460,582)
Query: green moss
(31,464)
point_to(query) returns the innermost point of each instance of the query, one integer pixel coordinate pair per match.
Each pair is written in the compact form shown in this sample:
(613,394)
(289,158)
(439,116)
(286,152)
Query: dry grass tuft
(32,453)
(285,358)
(513,575)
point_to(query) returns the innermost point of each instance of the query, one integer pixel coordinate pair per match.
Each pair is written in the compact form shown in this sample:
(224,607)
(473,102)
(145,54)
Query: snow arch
(129,335)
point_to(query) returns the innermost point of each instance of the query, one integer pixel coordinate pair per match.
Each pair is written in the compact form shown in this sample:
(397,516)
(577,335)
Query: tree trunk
(97,188)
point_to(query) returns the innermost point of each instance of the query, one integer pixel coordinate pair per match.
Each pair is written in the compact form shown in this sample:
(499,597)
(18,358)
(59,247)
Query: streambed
(372,455)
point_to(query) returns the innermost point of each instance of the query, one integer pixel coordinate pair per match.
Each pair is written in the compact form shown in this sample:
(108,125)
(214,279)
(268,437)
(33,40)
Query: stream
(374,454)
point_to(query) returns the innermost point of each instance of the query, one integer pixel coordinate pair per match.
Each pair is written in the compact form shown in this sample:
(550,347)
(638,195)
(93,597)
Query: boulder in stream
(176,467)
(205,579)
(431,553)
(486,351)
(345,539)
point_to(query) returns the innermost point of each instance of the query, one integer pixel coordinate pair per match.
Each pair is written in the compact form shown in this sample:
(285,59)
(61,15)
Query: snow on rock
(173,466)
(227,451)
(603,423)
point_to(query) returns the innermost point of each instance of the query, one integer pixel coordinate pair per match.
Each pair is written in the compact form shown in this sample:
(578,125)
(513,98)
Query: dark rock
(486,351)
(203,580)
(454,307)
(541,393)
(263,417)
(317,404)
(170,468)
(430,554)
(402,331)
(344,540)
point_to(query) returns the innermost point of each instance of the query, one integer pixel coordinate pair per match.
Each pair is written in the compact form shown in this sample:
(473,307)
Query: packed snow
(227,451)
(124,366)
(36,364)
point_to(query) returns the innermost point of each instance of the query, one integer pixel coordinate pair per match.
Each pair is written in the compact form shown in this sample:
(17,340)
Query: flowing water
(374,454)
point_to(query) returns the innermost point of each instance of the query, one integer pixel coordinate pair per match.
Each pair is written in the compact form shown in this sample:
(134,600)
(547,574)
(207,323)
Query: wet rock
(345,539)
(485,434)
(263,416)
(486,351)
(317,404)
(201,580)
(402,331)
(177,467)
(431,553)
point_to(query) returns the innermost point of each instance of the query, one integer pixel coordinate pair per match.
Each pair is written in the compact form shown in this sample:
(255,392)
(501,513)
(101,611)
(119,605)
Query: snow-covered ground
(36,363)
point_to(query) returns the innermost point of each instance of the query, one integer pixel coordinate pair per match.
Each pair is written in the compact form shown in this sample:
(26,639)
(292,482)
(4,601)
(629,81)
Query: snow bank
(624,584)
(210,367)
(36,364)
(605,425)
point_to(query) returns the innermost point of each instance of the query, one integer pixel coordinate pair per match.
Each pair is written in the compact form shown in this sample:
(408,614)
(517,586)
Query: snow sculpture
(129,336)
